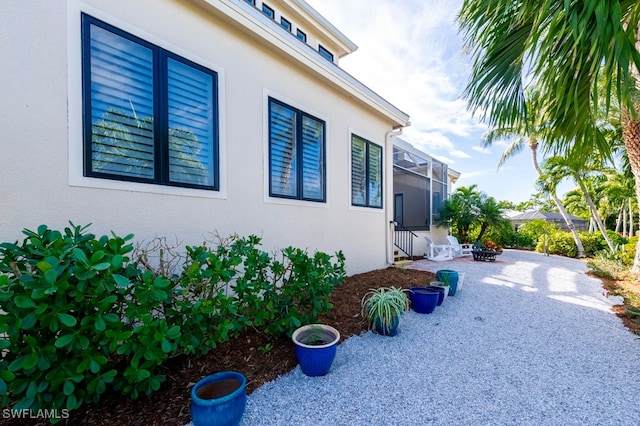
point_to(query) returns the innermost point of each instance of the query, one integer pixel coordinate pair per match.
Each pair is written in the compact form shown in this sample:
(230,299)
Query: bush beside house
(80,316)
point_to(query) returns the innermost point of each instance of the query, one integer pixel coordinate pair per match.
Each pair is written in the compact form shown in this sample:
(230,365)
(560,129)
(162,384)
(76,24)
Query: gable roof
(548,216)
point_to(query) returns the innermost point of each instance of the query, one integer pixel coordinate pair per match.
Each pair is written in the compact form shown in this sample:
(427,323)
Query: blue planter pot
(441,294)
(316,347)
(219,399)
(424,299)
(389,329)
(451,278)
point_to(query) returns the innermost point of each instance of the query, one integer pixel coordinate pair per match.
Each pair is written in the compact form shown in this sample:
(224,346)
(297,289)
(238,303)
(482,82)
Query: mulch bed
(170,405)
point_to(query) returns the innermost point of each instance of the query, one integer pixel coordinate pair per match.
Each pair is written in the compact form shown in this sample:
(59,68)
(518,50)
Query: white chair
(438,252)
(459,249)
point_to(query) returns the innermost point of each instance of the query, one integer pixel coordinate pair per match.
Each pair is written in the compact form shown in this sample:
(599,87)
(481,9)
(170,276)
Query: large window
(149,115)
(366,173)
(296,154)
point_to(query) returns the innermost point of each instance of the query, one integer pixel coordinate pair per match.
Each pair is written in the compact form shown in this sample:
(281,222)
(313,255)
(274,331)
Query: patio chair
(438,252)
(459,249)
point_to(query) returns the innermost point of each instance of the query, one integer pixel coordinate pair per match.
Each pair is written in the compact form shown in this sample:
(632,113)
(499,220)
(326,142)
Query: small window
(296,154)
(325,53)
(268,11)
(366,173)
(251,2)
(285,24)
(149,115)
(301,36)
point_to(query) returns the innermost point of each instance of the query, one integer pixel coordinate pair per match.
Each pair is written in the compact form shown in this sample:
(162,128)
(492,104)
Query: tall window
(366,173)
(296,154)
(149,115)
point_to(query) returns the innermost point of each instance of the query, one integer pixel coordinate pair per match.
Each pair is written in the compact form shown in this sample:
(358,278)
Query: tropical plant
(557,168)
(384,306)
(580,57)
(530,132)
(461,211)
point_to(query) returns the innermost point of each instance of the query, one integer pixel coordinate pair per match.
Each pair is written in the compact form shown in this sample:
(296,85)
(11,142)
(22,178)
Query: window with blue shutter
(296,154)
(149,115)
(366,173)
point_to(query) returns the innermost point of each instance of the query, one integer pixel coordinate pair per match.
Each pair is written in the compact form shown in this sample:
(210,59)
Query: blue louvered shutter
(358,171)
(312,159)
(375,175)
(190,111)
(122,139)
(282,151)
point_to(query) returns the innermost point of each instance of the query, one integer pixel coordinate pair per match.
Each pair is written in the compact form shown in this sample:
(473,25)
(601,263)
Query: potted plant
(219,399)
(316,346)
(382,307)
(443,286)
(425,299)
(450,278)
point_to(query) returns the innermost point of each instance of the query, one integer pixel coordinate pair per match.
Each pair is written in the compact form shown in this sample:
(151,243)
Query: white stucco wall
(41,139)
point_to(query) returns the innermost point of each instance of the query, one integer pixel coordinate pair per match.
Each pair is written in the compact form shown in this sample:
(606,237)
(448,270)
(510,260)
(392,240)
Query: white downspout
(388,138)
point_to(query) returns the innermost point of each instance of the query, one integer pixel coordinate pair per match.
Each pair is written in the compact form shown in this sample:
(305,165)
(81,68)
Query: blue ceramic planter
(389,329)
(441,294)
(316,347)
(219,399)
(451,278)
(424,299)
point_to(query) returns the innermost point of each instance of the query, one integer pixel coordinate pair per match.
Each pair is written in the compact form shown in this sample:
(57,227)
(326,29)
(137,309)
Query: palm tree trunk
(621,220)
(594,212)
(533,144)
(631,233)
(631,138)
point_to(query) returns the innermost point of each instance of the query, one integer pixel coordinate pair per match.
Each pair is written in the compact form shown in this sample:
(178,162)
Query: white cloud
(481,149)
(459,154)
(410,53)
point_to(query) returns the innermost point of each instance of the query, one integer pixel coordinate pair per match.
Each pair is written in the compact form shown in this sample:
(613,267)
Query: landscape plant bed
(247,354)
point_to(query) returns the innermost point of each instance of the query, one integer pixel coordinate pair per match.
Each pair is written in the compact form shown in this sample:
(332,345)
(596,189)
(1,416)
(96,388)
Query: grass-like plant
(384,305)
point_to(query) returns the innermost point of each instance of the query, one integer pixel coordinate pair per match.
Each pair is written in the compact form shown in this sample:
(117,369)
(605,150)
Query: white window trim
(74,109)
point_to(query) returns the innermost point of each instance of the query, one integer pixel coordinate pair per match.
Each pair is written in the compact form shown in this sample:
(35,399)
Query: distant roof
(554,216)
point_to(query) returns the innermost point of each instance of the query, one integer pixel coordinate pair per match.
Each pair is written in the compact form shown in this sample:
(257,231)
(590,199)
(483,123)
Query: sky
(410,53)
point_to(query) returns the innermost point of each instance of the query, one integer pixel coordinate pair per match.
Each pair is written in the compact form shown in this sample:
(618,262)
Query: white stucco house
(178,118)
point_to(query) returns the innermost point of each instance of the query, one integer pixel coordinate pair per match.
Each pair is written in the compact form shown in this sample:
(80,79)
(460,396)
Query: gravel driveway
(528,340)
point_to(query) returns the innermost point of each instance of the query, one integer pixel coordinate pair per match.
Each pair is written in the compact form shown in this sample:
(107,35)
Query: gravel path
(528,340)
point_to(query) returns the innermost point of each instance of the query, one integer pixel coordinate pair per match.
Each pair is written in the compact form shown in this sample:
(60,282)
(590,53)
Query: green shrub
(78,317)
(72,309)
(558,242)
(529,233)
(606,268)
(629,251)
(592,242)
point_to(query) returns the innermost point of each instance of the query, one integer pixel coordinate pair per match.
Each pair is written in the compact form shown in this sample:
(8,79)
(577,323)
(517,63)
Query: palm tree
(461,211)
(558,168)
(562,48)
(528,132)
(490,215)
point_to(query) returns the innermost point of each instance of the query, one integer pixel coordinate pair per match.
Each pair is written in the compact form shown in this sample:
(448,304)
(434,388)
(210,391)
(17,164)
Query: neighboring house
(179,118)
(549,217)
(420,185)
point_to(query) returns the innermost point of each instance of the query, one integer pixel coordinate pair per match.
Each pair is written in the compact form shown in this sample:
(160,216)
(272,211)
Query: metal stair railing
(403,238)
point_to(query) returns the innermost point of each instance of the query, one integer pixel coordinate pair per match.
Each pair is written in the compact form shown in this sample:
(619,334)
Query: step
(402,263)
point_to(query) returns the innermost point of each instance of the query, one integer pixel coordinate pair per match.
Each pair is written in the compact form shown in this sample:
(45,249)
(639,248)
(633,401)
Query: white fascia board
(245,15)
(336,35)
